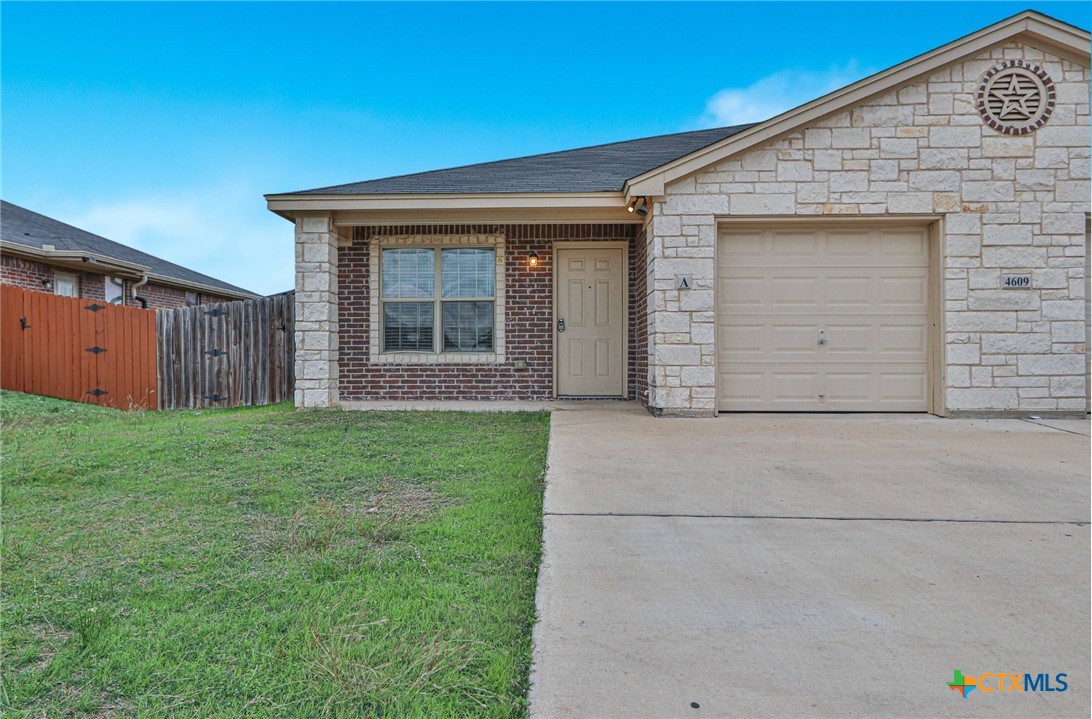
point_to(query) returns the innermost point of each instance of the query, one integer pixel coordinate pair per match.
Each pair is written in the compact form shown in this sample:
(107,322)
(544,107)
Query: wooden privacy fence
(83,350)
(222,355)
(227,355)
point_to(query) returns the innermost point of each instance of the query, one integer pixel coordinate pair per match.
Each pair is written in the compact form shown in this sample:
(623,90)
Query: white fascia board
(334,203)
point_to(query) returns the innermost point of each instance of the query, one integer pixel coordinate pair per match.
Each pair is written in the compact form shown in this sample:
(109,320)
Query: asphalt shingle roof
(601,168)
(21,226)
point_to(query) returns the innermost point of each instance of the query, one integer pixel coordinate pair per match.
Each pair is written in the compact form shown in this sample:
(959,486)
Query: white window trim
(375,353)
(70,277)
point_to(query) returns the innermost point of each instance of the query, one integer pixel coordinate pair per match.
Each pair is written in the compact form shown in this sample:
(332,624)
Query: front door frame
(622,245)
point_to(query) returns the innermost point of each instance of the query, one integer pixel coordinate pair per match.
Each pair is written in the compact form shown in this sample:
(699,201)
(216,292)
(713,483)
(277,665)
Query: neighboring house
(914,242)
(43,254)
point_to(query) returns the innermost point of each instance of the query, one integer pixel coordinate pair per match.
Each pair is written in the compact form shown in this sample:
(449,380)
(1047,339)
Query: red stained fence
(83,350)
(222,355)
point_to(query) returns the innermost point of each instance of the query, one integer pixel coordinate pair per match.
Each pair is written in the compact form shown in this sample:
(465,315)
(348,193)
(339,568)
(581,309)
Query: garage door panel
(794,246)
(851,244)
(793,385)
(742,342)
(863,290)
(894,339)
(911,245)
(866,290)
(743,387)
(845,293)
(848,339)
(743,292)
(908,385)
(831,389)
(799,293)
(904,292)
(850,386)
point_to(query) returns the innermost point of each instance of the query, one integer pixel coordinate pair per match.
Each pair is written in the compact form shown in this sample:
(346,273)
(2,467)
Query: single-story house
(914,242)
(46,255)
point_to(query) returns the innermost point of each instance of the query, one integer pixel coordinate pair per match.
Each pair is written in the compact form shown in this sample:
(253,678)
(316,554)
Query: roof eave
(201,287)
(432,207)
(90,261)
(101,264)
(1067,40)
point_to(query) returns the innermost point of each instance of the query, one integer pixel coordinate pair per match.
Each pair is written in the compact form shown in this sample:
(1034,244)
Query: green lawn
(263,562)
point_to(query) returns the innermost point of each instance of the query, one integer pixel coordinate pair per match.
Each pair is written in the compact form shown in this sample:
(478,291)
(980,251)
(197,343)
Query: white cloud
(222,230)
(774,94)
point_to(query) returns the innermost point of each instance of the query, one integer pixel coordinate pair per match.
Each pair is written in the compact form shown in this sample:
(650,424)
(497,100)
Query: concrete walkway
(791,566)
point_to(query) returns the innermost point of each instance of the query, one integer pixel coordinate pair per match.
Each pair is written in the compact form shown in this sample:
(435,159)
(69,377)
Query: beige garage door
(822,318)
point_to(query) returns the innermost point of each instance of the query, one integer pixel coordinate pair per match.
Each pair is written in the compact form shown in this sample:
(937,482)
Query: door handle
(822,337)
(561,324)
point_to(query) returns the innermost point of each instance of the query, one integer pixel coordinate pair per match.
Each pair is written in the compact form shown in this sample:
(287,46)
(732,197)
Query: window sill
(425,358)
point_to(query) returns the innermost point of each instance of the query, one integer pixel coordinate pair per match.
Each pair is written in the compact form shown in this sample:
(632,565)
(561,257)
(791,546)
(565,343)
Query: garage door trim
(935,368)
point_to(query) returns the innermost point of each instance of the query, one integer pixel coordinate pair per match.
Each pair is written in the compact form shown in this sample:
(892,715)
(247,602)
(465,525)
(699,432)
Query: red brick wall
(162,298)
(528,320)
(29,274)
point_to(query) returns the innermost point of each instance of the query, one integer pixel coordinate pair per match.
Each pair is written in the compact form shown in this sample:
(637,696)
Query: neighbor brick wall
(528,322)
(1009,203)
(27,274)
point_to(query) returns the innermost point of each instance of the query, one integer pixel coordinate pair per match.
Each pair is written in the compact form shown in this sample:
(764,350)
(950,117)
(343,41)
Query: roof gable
(1069,41)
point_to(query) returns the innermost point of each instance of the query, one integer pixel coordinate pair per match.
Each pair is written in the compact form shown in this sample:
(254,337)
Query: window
(114,290)
(66,285)
(438,299)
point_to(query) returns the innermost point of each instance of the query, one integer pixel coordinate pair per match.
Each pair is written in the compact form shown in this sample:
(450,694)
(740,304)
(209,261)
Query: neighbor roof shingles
(602,168)
(21,226)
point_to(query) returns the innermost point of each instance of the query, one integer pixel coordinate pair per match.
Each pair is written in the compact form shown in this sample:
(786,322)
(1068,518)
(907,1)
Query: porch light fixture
(532,259)
(48,285)
(631,204)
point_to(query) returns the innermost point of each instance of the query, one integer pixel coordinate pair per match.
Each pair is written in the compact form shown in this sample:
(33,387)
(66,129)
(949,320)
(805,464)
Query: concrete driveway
(791,566)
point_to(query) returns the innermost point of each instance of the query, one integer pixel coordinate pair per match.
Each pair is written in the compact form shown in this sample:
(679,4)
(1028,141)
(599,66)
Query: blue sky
(161,125)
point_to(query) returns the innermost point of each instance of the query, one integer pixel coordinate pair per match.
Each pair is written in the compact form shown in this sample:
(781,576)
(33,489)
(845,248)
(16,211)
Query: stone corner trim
(316,312)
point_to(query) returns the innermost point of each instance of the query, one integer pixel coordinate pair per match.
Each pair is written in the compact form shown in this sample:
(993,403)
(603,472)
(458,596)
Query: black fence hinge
(23,323)
(94,307)
(97,392)
(96,350)
(215,397)
(215,352)
(215,312)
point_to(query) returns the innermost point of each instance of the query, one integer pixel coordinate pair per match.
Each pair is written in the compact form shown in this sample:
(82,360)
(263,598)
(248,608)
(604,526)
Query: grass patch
(263,562)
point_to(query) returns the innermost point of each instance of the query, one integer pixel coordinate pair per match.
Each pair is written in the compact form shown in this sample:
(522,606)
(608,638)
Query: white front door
(590,322)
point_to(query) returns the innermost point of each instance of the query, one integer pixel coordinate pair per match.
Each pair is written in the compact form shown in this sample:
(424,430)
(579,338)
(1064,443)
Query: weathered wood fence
(227,355)
(222,355)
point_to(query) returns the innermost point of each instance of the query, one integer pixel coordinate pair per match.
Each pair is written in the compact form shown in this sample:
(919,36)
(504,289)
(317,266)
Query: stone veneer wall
(1009,203)
(639,310)
(528,320)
